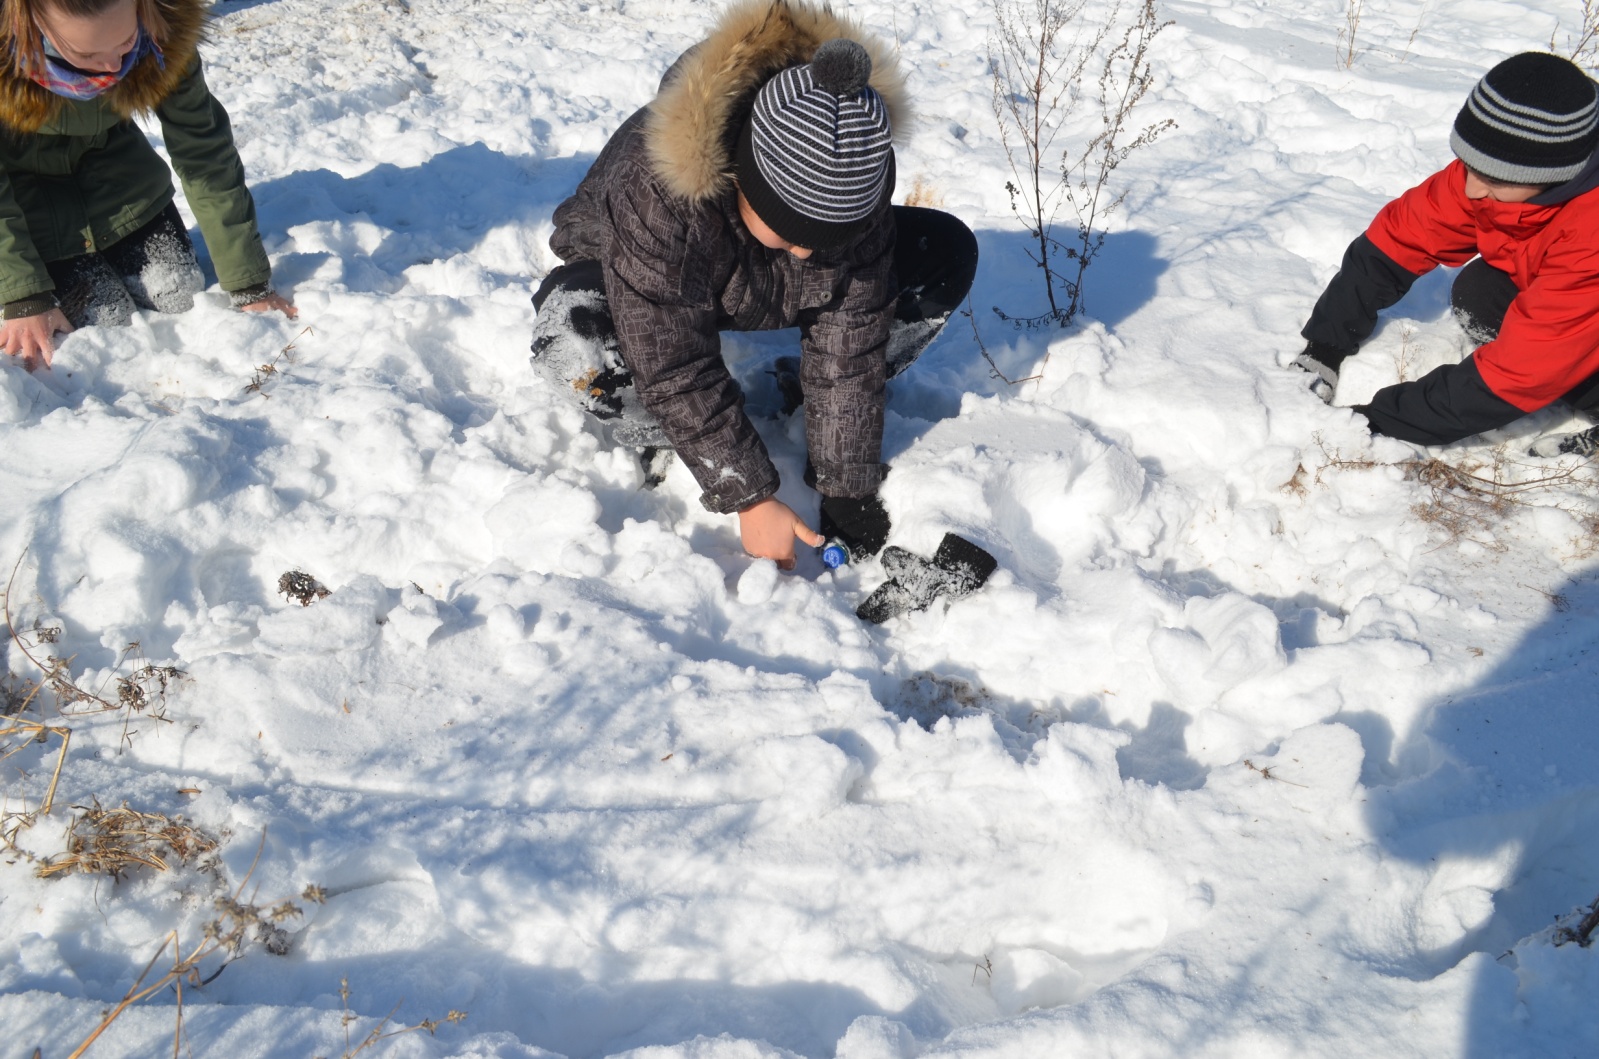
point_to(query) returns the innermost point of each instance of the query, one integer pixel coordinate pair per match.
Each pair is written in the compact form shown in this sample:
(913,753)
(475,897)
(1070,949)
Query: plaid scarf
(64,79)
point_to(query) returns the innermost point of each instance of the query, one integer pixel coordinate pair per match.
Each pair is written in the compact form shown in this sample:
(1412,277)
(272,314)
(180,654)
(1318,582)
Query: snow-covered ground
(1251,748)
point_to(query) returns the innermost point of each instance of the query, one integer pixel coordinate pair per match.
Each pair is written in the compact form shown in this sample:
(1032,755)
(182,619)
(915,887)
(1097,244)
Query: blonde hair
(27,43)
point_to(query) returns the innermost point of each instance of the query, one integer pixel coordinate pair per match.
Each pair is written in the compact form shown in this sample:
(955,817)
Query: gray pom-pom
(841,67)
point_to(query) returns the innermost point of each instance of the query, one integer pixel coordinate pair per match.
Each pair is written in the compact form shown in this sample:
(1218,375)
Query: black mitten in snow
(859,523)
(1582,443)
(957,569)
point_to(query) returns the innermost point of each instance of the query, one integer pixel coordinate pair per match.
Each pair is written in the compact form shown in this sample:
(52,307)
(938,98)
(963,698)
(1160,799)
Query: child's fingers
(808,535)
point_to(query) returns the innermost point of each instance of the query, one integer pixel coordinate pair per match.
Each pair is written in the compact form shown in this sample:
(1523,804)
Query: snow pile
(1257,743)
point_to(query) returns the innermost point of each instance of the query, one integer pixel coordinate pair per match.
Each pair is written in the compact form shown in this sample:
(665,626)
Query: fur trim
(690,144)
(26,106)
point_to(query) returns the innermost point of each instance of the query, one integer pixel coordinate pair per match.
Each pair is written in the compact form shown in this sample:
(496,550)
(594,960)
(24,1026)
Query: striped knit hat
(816,157)
(1533,119)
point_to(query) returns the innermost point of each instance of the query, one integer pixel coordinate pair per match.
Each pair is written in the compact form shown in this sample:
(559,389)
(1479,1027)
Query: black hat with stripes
(816,158)
(1533,119)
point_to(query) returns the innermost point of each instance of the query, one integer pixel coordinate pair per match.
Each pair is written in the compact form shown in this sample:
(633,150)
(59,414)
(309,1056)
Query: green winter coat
(77,176)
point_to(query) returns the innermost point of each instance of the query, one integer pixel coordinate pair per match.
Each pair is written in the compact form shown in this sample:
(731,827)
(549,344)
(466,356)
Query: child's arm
(199,139)
(31,319)
(662,277)
(843,370)
(1547,345)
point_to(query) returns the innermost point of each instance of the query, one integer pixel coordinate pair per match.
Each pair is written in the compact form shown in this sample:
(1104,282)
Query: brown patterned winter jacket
(659,211)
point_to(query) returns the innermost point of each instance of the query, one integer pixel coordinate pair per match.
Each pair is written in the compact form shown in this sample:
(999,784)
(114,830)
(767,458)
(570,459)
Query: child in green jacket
(88,228)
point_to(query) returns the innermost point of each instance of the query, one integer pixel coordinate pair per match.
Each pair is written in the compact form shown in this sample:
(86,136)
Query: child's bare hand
(767,530)
(33,337)
(270,302)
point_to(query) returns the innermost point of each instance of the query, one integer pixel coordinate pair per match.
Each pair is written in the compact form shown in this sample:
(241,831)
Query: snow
(1246,749)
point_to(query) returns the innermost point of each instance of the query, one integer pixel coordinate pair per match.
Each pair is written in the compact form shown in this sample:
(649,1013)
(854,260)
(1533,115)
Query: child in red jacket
(1521,205)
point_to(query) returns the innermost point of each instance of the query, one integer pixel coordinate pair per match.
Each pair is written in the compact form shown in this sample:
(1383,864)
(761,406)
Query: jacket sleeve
(1367,282)
(1429,225)
(1448,403)
(843,369)
(22,271)
(662,279)
(1549,341)
(199,140)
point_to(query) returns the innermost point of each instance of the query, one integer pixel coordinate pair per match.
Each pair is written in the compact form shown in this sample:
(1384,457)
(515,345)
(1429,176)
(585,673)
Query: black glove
(1322,361)
(860,524)
(957,569)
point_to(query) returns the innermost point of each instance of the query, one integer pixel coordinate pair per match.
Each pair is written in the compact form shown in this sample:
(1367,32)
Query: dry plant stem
(376,1034)
(266,371)
(226,934)
(1583,934)
(1584,50)
(38,729)
(1040,55)
(1123,82)
(993,368)
(1267,773)
(1347,35)
(1037,80)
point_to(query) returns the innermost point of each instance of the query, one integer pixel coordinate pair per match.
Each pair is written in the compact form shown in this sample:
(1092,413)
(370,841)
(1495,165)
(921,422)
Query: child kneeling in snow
(754,194)
(88,229)
(1524,195)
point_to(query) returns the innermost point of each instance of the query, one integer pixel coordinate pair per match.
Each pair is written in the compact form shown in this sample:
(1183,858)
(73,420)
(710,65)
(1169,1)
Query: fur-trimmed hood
(27,107)
(690,133)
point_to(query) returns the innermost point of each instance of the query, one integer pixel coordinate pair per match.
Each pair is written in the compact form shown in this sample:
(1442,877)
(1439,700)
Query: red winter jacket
(1549,341)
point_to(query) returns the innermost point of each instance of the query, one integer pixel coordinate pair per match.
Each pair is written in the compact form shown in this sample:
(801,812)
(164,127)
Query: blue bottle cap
(835,556)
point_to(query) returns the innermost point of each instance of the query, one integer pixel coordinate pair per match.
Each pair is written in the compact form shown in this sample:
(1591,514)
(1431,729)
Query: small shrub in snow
(1583,48)
(1048,64)
(1346,51)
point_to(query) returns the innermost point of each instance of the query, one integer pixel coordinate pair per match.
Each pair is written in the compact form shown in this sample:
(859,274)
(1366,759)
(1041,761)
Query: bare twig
(1268,773)
(1582,933)
(1583,49)
(982,348)
(1346,36)
(228,935)
(266,372)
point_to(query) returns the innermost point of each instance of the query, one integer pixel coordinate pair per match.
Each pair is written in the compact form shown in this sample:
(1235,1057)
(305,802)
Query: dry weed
(1295,485)
(1583,48)
(1474,495)
(114,841)
(1048,63)
(301,587)
(227,937)
(1346,52)
(380,1032)
(266,372)
(923,193)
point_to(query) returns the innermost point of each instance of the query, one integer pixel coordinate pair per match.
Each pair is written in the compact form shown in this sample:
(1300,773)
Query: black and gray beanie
(1533,119)
(816,158)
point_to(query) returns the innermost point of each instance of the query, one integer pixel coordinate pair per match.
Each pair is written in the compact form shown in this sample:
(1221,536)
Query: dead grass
(226,937)
(1347,52)
(265,373)
(923,193)
(29,701)
(115,841)
(381,1032)
(1469,499)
